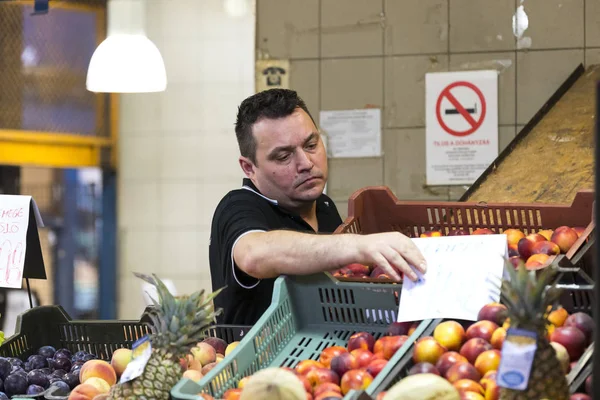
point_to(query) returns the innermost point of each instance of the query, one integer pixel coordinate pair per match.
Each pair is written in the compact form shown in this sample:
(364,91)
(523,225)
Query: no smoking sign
(461,125)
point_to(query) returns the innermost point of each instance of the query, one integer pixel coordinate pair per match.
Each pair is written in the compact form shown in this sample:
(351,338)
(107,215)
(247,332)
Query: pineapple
(178,324)
(527,298)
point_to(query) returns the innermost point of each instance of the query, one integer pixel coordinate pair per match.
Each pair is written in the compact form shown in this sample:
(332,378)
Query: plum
(79,356)
(37,377)
(35,362)
(46,351)
(60,388)
(3,396)
(63,353)
(60,363)
(5,368)
(15,361)
(15,384)
(89,357)
(72,379)
(34,389)
(76,366)
(1,385)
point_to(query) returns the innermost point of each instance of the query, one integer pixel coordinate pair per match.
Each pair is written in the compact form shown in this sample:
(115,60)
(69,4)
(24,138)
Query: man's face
(291,162)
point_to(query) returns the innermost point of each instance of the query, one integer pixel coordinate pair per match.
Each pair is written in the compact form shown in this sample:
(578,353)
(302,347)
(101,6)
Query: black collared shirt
(241,211)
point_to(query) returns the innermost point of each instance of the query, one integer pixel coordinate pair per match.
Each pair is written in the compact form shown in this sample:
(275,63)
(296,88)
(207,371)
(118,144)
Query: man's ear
(247,166)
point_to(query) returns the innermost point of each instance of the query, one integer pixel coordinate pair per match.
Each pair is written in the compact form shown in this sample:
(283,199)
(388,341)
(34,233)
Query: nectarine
(487,361)
(473,348)
(329,352)
(357,379)
(525,245)
(572,339)
(564,237)
(463,371)
(376,366)
(450,334)
(494,312)
(447,360)
(482,329)
(513,236)
(361,340)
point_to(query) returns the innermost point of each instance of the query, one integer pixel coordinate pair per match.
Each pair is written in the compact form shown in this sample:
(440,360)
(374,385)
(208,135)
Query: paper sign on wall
(461,112)
(352,133)
(463,275)
(20,250)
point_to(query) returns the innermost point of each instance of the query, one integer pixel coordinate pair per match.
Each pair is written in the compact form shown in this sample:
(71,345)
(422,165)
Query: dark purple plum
(60,388)
(34,389)
(1,385)
(37,377)
(63,353)
(89,357)
(3,396)
(61,363)
(5,368)
(46,351)
(15,361)
(76,366)
(79,356)
(18,370)
(53,379)
(59,373)
(36,362)
(15,384)
(71,379)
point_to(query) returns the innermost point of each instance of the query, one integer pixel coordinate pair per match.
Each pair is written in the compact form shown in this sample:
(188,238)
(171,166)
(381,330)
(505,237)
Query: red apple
(482,329)
(447,360)
(427,349)
(564,237)
(572,339)
(343,363)
(363,357)
(583,322)
(361,340)
(376,366)
(463,371)
(525,245)
(473,348)
(494,312)
(423,368)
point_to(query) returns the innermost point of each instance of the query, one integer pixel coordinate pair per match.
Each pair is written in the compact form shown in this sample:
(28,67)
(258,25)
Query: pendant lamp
(126,61)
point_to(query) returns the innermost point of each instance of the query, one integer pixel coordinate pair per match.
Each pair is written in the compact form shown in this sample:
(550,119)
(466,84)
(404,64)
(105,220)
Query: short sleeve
(236,219)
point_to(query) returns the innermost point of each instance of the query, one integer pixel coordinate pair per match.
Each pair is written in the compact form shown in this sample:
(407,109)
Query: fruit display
(468,355)
(536,249)
(47,371)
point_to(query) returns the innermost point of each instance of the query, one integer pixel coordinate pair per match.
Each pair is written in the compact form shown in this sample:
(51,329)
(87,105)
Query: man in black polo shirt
(280,222)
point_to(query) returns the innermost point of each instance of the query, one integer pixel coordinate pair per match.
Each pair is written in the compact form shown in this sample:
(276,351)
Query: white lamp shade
(126,63)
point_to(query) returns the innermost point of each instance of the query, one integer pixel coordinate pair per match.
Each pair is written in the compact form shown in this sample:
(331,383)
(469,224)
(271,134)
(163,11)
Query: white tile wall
(178,153)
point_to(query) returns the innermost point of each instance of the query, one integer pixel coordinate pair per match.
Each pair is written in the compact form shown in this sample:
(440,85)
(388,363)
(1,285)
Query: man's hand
(392,249)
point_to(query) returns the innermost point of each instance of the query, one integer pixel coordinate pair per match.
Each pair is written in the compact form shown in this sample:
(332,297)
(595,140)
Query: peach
(193,363)
(547,233)
(423,368)
(467,385)
(463,371)
(120,359)
(361,340)
(204,353)
(494,312)
(326,387)
(584,323)
(398,328)
(558,317)
(98,383)
(219,358)
(447,360)
(579,230)
(492,391)
(468,395)
(206,369)
(357,379)
(481,329)
(232,394)
(562,355)
(546,247)
(427,349)
(343,363)
(572,339)
(376,366)
(432,233)
(537,261)
(193,375)
(450,334)
(513,236)
(483,231)
(329,352)
(363,357)
(84,391)
(230,347)
(305,366)
(392,344)
(487,361)
(525,245)
(319,376)
(498,338)
(473,348)
(564,237)
(217,343)
(99,369)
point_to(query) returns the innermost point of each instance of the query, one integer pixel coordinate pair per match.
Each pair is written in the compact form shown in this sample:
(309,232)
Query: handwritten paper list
(463,275)
(14,219)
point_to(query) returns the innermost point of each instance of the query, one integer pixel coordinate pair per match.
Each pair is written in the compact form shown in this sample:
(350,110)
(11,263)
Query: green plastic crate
(307,314)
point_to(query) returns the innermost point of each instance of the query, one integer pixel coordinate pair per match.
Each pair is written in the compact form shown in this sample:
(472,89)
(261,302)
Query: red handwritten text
(9,228)
(12,213)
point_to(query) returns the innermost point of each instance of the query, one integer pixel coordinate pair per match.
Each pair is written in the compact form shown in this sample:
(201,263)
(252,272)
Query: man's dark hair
(271,104)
